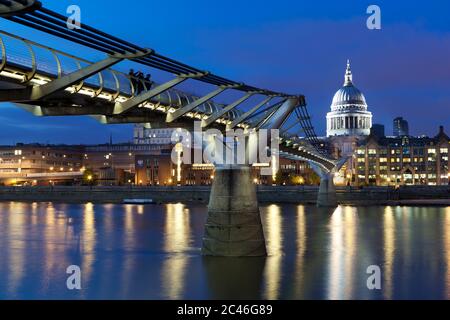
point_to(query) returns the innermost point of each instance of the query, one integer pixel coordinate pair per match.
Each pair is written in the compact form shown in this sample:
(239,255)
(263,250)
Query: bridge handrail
(174,95)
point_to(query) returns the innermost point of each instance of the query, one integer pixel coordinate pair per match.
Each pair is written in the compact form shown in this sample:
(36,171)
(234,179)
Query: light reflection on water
(274,239)
(446,240)
(153,252)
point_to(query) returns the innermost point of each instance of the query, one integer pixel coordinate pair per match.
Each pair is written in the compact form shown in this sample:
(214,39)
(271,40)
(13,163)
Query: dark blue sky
(291,46)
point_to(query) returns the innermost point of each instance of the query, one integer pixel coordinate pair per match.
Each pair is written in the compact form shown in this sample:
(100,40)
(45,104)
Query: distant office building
(377,130)
(401,127)
(33,164)
(144,135)
(403,160)
(114,164)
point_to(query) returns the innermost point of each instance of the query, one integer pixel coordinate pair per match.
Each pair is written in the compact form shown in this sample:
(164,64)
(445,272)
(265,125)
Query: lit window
(431,151)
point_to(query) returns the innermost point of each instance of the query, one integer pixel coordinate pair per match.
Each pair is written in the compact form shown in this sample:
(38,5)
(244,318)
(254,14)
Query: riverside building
(405,160)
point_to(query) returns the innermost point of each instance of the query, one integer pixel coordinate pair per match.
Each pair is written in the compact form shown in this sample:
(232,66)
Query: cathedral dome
(348,97)
(349,115)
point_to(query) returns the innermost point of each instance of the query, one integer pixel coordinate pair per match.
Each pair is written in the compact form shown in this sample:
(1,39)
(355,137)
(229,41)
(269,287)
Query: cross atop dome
(348,75)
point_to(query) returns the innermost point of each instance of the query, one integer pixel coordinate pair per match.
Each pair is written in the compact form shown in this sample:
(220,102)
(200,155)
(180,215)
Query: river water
(154,252)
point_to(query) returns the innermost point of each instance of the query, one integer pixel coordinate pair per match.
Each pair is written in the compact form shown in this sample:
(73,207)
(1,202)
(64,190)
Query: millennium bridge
(48,82)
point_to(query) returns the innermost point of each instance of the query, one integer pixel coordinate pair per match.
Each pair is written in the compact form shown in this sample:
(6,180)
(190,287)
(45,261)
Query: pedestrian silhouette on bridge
(140,82)
(148,81)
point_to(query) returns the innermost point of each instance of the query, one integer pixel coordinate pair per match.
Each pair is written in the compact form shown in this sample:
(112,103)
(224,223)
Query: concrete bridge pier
(233,227)
(327,191)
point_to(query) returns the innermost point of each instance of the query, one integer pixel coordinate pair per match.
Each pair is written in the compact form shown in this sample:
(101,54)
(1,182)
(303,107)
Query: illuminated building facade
(114,164)
(160,170)
(33,164)
(403,160)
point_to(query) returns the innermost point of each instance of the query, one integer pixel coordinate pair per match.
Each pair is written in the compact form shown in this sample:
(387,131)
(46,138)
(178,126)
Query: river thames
(154,252)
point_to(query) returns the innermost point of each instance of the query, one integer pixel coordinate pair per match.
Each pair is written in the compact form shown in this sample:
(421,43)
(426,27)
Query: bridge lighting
(61,169)
(51,168)
(179,150)
(274,168)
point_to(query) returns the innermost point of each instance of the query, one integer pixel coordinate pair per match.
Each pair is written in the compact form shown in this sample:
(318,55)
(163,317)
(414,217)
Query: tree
(296,180)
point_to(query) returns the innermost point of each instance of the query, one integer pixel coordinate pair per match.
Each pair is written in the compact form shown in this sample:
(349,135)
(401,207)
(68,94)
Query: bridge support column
(327,191)
(233,227)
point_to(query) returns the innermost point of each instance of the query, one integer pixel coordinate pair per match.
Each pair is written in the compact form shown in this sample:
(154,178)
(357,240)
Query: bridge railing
(31,62)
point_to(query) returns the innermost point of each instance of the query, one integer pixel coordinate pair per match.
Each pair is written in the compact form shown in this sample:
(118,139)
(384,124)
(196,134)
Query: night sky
(290,46)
